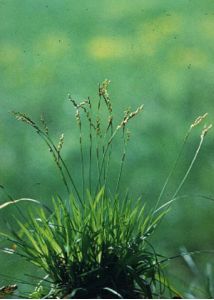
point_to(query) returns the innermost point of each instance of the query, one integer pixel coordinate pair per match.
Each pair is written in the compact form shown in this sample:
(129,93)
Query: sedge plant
(95,243)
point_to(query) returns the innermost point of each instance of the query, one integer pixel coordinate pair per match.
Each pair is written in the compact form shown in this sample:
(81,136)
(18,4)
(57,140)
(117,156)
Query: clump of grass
(96,251)
(95,243)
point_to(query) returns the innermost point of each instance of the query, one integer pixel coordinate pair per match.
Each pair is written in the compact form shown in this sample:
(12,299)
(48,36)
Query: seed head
(61,142)
(205,130)
(198,120)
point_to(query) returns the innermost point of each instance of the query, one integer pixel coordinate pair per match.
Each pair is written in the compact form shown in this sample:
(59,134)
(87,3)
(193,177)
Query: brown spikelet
(128,135)
(24,118)
(98,129)
(44,124)
(72,100)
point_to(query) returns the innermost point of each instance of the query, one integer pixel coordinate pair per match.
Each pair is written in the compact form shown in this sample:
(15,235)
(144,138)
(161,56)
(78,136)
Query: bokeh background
(159,53)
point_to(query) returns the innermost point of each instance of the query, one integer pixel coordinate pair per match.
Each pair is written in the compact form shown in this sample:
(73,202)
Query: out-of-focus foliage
(159,53)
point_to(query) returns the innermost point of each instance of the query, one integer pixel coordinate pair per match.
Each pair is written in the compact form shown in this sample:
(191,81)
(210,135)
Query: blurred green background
(159,53)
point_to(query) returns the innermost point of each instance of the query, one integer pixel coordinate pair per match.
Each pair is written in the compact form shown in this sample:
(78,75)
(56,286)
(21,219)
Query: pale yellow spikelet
(129,115)
(77,115)
(103,88)
(205,130)
(83,103)
(98,129)
(198,120)
(61,142)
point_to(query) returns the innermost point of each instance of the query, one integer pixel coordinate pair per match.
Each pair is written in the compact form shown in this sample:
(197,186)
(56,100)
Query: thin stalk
(110,126)
(90,150)
(127,117)
(42,279)
(108,104)
(197,121)
(12,199)
(186,253)
(172,170)
(98,166)
(44,135)
(82,160)
(57,156)
(106,163)
(98,136)
(168,203)
(12,279)
(180,197)
(106,150)
(52,146)
(190,167)
(88,114)
(90,161)
(174,197)
(104,167)
(121,163)
(104,156)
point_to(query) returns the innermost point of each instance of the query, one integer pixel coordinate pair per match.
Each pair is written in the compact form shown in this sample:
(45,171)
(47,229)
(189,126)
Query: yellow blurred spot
(206,27)
(152,34)
(14,247)
(167,25)
(9,54)
(53,45)
(107,48)
(148,43)
(189,57)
